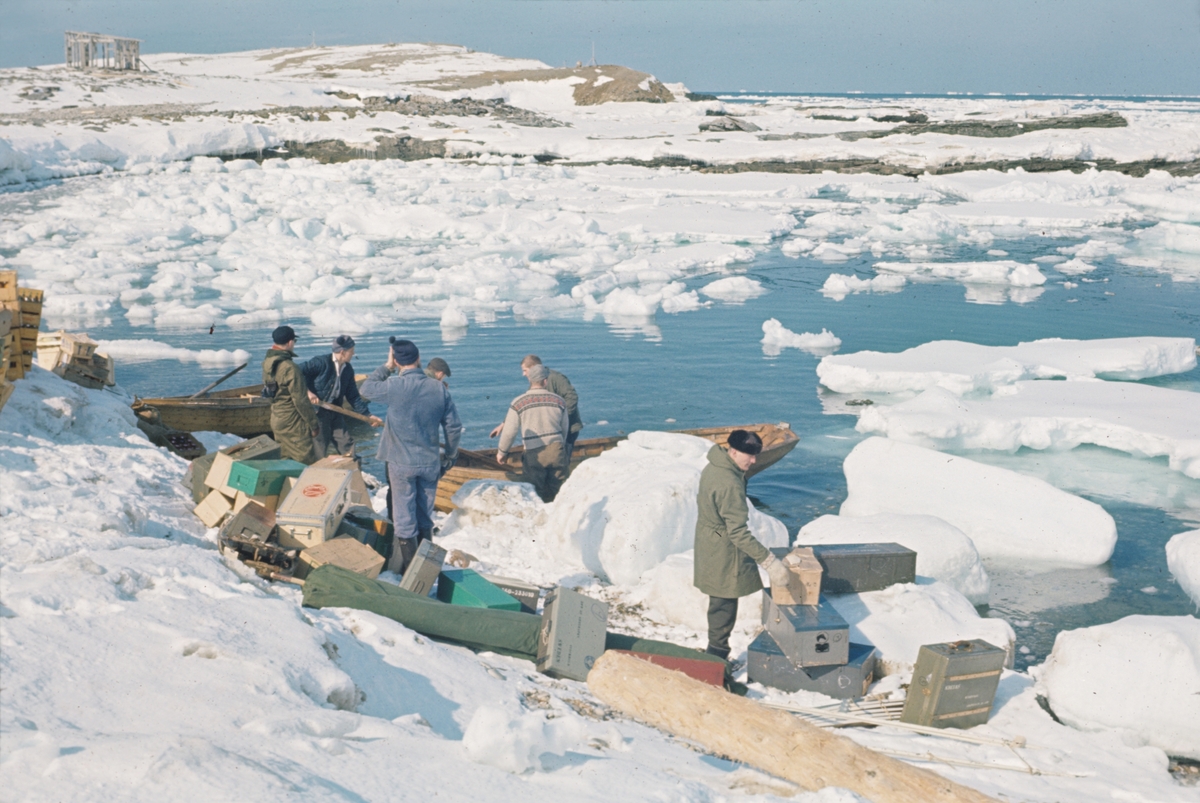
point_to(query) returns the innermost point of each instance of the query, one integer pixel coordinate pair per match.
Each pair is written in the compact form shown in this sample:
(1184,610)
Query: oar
(207,388)
(349,413)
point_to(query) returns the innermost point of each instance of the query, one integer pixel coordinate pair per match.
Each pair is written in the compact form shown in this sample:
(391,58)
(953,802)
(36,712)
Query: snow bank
(515,741)
(961,367)
(898,620)
(669,595)
(1142,420)
(1006,515)
(776,338)
(150,350)
(622,513)
(1183,560)
(944,552)
(1139,674)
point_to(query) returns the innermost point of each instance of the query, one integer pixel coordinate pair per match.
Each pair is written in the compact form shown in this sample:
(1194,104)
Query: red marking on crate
(313,491)
(710,672)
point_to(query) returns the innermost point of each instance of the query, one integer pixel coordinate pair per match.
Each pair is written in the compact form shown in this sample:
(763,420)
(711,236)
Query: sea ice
(899,619)
(1006,515)
(838,285)
(1004,272)
(944,552)
(777,337)
(150,350)
(961,367)
(1142,420)
(1138,674)
(734,288)
(1183,560)
(622,513)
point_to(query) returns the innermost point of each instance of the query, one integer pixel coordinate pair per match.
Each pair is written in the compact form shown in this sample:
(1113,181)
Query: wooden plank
(773,741)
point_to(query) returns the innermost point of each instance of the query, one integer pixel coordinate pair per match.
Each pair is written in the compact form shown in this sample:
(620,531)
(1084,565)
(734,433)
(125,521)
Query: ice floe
(777,337)
(1005,272)
(149,350)
(1142,420)
(944,552)
(1183,560)
(1006,515)
(962,368)
(838,285)
(1138,675)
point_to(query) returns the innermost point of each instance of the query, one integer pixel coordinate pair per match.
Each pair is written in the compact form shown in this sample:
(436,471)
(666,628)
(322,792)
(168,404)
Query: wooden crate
(8,285)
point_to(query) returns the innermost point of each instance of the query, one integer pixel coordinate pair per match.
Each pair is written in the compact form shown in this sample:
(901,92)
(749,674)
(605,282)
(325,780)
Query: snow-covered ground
(138,663)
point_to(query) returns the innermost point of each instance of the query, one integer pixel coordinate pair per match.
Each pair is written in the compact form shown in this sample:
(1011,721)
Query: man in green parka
(293,419)
(726,551)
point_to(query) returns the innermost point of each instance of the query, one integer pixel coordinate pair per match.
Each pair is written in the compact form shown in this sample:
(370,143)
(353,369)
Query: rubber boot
(403,552)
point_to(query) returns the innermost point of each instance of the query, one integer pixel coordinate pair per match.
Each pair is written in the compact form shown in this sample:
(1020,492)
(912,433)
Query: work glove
(777,571)
(448,462)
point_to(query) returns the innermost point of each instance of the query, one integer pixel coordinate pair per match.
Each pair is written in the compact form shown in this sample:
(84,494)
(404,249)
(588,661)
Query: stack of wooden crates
(74,358)
(20,341)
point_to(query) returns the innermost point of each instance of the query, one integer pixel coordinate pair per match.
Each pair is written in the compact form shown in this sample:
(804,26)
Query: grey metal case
(766,664)
(854,568)
(424,569)
(574,628)
(809,635)
(954,684)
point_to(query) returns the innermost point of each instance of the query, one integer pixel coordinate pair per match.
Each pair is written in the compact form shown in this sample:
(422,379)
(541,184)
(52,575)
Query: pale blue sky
(1102,47)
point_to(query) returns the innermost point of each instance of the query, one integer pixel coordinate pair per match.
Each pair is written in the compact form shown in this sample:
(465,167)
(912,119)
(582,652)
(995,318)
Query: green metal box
(953,684)
(262,477)
(467,587)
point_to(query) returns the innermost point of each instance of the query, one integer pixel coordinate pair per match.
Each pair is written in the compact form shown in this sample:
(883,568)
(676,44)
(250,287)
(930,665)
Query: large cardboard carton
(525,593)
(260,448)
(349,528)
(242,499)
(313,510)
(572,637)
(467,587)
(809,635)
(214,508)
(804,581)
(262,477)
(954,684)
(424,569)
(193,479)
(344,552)
(767,664)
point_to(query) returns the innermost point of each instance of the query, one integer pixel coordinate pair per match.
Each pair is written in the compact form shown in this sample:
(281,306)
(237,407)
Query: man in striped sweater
(541,419)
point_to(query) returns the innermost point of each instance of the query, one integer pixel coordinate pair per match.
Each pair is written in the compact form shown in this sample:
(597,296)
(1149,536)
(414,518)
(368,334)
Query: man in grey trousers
(416,407)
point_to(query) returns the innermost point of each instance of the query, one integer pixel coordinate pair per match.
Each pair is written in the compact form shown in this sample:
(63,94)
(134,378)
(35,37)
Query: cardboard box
(260,448)
(359,493)
(854,568)
(344,552)
(804,582)
(572,637)
(767,664)
(193,479)
(242,499)
(421,574)
(467,587)
(351,529)
(262,477)
(313,510)
(954,684)
(252,520)
(525,593)
(710,672)
(214,508)
(809,635)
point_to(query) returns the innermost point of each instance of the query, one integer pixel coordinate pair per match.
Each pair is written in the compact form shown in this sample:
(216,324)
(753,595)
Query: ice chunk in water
(1183,559)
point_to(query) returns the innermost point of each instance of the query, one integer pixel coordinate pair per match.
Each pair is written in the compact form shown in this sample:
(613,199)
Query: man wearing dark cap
(417,406)
(293,419)
(438,369)
(726,550)
(330,379)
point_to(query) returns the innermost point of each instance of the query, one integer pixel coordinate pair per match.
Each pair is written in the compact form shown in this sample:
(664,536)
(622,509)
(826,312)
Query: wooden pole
(333,408)
(773,741)
(207,388)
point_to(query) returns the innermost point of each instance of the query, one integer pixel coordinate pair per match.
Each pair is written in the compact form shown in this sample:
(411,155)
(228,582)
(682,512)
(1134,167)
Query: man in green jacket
(293,419)
(726,551)
(561,386)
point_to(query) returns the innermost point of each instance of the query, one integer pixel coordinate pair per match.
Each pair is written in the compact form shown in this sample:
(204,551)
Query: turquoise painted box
(467,587)
(262,477)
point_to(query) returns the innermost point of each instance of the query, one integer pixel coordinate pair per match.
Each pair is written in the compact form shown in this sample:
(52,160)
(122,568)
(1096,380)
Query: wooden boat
(238,411)
(778,440)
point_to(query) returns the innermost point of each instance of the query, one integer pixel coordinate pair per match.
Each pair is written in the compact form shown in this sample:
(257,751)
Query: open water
(707,367)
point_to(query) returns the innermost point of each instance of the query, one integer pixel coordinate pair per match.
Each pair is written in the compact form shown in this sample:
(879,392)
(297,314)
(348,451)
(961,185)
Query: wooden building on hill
(94,51)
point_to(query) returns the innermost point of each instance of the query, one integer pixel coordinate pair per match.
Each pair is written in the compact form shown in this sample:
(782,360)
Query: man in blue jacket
(417,406)
(330,379)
